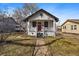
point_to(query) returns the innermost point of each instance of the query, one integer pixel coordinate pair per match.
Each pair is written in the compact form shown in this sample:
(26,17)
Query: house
(59,28)
(71,26)
(8,24)
(41,23)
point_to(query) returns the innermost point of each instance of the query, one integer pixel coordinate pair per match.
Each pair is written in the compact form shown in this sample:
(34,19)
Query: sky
(63,11)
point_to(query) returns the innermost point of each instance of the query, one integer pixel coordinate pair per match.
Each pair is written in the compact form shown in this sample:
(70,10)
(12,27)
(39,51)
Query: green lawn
(18,44)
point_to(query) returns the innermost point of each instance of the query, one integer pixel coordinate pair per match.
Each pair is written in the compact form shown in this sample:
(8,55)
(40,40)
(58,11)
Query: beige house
(71,26)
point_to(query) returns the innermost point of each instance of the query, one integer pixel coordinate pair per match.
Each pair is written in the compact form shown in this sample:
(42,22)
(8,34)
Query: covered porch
(42,28)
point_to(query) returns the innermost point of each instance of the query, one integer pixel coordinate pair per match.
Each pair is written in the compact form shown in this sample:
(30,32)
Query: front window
(45,24)
(71,27)
(64,27)
(75,27)
(33,24)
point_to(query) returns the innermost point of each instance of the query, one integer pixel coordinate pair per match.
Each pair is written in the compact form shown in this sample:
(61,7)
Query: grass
(64,46)
(18,45)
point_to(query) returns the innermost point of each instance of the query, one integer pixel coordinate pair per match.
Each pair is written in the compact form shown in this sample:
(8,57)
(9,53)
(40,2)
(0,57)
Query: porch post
(36,28)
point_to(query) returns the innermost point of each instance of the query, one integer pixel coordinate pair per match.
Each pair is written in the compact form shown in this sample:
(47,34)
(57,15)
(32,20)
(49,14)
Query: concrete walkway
(41,50)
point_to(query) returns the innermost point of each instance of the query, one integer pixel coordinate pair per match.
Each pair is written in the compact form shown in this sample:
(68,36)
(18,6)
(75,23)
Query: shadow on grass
(33,45)
(21,39)
(30,44)
(27,44)
(15,42)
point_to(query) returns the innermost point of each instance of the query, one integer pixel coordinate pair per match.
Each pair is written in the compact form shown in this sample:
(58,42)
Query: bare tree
(3,24)
(30,7)
(2,15)
(26,10)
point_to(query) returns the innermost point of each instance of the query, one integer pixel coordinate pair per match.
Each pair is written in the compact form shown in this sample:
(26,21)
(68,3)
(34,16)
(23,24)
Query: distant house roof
(71,20)
(9,20)
(8,24)
(44,12)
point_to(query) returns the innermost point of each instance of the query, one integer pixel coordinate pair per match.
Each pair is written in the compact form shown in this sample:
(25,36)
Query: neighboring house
(41,23)
(8,24)
(59,28)
(71,26)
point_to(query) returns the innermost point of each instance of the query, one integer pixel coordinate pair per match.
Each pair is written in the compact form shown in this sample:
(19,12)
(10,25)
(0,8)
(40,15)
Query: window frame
(64,27)
(46,24)
(72,27)
(75,27)
(33,24)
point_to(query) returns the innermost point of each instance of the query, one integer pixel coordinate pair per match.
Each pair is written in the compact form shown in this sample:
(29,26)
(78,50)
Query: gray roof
(7,24)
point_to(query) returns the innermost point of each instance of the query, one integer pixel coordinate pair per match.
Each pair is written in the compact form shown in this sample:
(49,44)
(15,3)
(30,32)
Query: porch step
(39,34)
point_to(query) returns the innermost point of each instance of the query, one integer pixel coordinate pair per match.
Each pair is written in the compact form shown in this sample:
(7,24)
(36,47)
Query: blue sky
(63,11)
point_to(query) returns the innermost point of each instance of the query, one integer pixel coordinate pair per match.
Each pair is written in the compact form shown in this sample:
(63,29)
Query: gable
(41,16)
(37,15)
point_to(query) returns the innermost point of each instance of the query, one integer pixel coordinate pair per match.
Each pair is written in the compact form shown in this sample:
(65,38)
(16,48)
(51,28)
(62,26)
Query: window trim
(46,24)
(33,24)
(64,27)
(75,27)
(72,27)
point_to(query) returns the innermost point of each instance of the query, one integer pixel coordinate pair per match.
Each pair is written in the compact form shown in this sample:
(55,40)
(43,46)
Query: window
(45,24)
(75,27)
(33,24)
(64,27)
(71,27)
(17,26)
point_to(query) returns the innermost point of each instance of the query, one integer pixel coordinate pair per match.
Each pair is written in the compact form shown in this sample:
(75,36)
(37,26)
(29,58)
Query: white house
(41,23)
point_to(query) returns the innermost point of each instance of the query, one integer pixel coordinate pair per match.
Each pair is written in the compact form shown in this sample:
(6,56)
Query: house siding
(68,28)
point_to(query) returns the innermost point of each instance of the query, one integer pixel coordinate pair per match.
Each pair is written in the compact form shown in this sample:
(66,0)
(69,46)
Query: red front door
(39,26)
